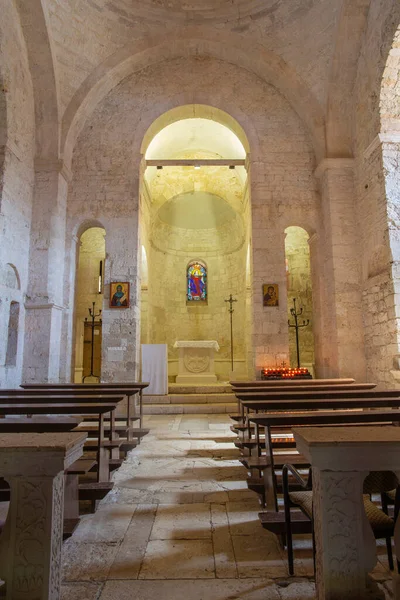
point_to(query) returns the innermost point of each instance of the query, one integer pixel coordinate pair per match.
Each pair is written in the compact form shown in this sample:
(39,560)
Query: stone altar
(30,544)
(196,362)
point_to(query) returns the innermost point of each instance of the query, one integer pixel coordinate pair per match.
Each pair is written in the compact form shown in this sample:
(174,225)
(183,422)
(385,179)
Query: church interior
(199,299)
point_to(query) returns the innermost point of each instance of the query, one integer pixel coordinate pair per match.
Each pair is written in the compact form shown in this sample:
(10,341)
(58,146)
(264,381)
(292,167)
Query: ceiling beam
(197,162)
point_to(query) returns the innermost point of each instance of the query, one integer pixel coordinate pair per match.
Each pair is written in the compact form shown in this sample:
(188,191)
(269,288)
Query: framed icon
(119,294)
(270,294)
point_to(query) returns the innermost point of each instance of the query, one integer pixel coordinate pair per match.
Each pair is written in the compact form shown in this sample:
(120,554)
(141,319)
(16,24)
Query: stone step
(221,388)
(190,399)
(194,409)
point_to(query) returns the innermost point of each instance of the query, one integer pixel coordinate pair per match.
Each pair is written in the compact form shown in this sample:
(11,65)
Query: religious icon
(270,294)
(119,294)
(196,282)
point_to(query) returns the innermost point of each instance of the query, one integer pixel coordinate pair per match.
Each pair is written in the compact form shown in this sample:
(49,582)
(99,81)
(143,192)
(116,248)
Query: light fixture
(197,166)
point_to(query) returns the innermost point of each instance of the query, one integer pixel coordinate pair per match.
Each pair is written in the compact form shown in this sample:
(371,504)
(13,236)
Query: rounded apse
(196,210)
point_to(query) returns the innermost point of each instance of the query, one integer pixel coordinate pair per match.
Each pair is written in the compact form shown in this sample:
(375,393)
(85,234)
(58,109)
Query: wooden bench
(321,387)
(129,388)
(270,420)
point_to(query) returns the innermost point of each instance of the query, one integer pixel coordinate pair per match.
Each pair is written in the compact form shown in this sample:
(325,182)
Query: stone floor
(180,524)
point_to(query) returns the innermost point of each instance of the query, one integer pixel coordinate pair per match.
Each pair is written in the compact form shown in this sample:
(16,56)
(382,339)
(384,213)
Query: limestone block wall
(377,206)
(16,181)
(283,192)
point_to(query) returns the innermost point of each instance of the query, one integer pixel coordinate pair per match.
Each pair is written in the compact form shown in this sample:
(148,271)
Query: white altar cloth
(196,361)
(155,368)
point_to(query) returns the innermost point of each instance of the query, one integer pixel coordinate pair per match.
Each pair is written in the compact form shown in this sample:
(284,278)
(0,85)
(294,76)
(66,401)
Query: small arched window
(197,282)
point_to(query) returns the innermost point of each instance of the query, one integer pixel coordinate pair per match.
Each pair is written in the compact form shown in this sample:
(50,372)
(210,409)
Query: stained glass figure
(196,282)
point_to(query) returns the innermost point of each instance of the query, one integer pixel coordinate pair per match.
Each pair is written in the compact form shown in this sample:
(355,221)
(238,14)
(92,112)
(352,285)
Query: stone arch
(191,304)
(390,90)
(80,228)
(34,24)
(339,130)
(180,107)
(192,41)
(201,111)
(10,277)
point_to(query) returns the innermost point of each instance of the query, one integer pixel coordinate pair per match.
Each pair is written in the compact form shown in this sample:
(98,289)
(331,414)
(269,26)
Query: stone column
(341,529)
(270,337)
(341,458)
(44,300)
(30,545)
(317,324)
(121,326)
(340,272)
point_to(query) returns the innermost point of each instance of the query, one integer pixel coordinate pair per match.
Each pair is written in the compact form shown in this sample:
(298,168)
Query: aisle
(180,524)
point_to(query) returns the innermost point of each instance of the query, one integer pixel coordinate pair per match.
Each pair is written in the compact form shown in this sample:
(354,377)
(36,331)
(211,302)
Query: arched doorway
(195,210)
(299,287)
(89,295)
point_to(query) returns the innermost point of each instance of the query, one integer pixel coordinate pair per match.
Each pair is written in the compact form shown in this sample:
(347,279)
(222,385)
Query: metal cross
(231,300)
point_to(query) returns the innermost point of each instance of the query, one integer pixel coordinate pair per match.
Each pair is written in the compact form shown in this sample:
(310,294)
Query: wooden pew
(69,406)
(271,420)
(132,433)
(309,394)
(130,389)
(266,387)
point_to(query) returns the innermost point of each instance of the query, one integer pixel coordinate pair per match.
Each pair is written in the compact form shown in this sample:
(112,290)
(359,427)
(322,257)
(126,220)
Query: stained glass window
(196,282)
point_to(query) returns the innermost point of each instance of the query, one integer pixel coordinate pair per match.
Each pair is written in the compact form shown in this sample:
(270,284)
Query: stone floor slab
(81,591)
(258,556)
(178,559)
(87,562)
(227,589)
(182,522)
(107,524)
(128,561)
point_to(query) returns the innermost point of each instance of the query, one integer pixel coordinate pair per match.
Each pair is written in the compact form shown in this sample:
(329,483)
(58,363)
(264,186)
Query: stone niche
(299,286)
(193,214)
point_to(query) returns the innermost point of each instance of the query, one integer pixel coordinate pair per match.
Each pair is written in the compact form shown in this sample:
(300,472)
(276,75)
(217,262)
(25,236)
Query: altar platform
(192,399)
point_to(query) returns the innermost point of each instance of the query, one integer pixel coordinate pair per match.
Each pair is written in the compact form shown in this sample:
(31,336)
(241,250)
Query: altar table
(341,458)
(196,362)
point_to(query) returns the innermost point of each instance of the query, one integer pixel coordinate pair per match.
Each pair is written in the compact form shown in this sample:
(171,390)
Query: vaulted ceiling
(308,49)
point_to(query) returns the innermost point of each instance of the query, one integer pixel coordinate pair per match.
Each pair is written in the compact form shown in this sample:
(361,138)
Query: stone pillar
(44,300)
(317,321)
(30,545)
(270,338)
(341,569)
(340,272)
(341,458)
(121,326)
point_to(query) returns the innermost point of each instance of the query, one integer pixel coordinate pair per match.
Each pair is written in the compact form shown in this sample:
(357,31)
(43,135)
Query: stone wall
(16,182)
(105,186)
(377,150)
